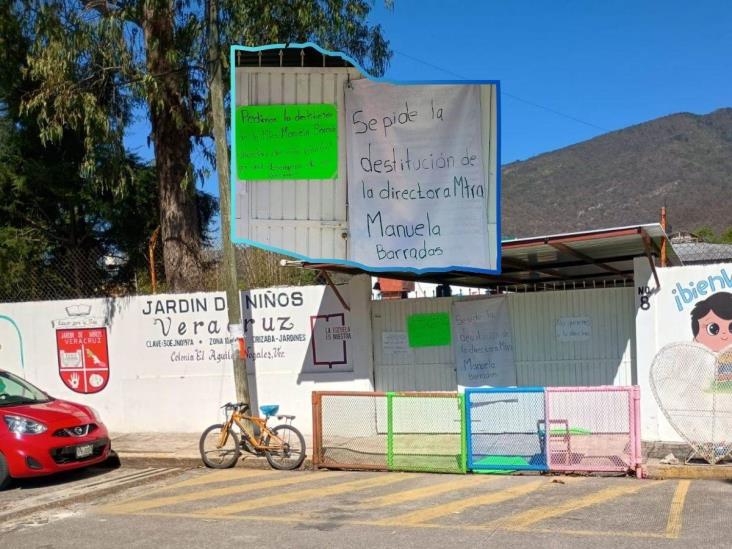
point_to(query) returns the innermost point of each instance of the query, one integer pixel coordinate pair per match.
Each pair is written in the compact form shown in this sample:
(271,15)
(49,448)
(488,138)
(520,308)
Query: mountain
(624,178)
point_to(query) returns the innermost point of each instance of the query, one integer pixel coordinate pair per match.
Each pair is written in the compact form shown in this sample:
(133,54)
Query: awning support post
(328,280)
(647,246)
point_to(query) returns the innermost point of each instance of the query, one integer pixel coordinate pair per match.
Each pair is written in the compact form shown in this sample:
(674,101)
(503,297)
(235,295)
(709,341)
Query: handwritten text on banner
(417,192)
(287,141)
(483,343)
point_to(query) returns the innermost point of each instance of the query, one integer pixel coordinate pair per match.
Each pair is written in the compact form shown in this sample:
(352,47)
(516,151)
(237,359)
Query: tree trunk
(218,124)
(179,224)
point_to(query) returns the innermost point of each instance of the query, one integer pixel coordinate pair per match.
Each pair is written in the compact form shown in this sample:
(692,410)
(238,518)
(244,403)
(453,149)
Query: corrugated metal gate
(428,368)
(307,217)
(606,357)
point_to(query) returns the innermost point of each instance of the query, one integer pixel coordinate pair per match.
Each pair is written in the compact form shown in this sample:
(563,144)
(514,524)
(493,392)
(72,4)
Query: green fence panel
(426,432)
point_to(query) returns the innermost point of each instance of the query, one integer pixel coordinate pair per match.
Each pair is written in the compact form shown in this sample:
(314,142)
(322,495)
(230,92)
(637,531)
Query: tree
(94,63)
(60,226)
(707,234)
(153,53)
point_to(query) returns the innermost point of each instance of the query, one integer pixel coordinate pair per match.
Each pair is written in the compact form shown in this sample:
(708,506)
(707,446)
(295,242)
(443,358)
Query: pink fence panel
(593,428)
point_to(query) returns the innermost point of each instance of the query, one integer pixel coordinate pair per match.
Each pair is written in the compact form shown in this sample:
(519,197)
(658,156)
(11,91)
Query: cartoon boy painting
(711,324)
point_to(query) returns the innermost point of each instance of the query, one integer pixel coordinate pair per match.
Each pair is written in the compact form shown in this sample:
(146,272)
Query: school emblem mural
(691,377)
(82,350)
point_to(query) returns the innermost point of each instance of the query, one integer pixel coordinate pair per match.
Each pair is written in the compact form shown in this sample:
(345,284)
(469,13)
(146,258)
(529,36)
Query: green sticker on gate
(297,141)
(429,330)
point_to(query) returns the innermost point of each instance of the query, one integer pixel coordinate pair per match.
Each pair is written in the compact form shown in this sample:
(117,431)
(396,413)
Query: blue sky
(569,70)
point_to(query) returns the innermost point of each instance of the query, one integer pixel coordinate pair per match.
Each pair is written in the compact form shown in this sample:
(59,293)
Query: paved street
(356,509)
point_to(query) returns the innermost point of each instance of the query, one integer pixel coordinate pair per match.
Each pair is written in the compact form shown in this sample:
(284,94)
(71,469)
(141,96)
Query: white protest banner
(305,326)
(417,189)
(483,343)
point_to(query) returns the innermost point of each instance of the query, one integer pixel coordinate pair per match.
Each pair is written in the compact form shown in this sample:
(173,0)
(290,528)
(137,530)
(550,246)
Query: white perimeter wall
(164,381)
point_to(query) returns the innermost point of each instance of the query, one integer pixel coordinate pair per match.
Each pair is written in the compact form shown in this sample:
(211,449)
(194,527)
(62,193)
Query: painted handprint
(74,380)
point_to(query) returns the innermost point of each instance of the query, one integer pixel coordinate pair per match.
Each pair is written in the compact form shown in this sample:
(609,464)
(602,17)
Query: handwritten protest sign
(483,343)
(574,328)
(429,330)
(287,141)
(417,190)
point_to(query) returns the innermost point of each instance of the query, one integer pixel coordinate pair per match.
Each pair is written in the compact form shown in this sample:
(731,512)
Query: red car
(41,435)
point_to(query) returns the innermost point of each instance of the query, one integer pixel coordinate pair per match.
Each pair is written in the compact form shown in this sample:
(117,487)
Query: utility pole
(663,243)
(218,123)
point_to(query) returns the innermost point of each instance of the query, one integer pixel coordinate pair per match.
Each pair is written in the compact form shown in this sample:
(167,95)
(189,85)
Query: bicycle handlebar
(236,406)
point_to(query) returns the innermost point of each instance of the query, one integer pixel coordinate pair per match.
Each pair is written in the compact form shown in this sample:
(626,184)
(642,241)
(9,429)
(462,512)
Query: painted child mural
(691,374)
(711,324)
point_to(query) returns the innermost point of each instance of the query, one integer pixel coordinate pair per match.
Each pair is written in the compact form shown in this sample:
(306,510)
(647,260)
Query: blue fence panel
(506,429)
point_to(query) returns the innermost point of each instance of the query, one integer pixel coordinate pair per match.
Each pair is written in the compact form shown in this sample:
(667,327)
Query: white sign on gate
(574,328)
(417,186)
(483,343)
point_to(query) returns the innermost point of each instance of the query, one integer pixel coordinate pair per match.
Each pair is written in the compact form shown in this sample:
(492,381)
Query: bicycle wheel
(215,456)
(288,452)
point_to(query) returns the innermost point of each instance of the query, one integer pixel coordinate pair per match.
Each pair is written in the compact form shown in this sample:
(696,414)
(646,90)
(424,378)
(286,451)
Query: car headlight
(24,426)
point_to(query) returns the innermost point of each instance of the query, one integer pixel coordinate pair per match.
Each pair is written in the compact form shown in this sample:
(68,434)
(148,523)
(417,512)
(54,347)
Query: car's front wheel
(4,473)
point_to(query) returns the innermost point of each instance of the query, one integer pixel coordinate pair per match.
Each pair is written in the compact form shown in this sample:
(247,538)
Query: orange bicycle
(283,445)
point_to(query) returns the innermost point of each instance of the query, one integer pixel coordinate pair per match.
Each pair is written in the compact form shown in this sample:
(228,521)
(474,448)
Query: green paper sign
(429,330)
(287,141)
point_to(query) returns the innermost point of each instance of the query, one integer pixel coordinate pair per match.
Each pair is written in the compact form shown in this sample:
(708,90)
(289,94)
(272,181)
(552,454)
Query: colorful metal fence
(593,428)
(505,429)
(581,429)
(426,432)
(411,431)
(350,430)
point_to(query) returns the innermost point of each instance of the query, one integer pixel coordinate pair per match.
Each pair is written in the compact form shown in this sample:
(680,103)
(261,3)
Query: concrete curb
(153,459)
(689,472)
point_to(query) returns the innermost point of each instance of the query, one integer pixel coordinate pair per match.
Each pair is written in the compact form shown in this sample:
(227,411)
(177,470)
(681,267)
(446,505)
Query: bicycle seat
(270,409)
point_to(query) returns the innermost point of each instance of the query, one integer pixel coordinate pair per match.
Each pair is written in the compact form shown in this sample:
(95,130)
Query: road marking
(310,493)
(675,515)
(601,533)
(431,513)
(226,475)
(424,492)
(234,475)
(138,505)
(528,518)
(308,519)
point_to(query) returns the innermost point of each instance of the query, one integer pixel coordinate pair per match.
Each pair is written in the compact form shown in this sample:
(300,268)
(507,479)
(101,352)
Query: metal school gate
(606,357)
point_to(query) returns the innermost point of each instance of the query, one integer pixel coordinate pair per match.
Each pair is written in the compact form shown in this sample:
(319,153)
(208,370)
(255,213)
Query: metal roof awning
(585,258)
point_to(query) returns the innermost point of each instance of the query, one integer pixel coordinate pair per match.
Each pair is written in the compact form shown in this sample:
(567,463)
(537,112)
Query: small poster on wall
(395,348)
(483,343)
(305,327)
(572,329)
(330,339)
(429,330)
